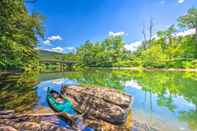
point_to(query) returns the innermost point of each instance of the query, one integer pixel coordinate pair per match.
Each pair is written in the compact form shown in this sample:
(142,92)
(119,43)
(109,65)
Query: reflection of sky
(142,103)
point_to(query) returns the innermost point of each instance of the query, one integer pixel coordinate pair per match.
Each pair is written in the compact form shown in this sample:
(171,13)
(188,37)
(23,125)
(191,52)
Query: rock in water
(106,104)
(7,128)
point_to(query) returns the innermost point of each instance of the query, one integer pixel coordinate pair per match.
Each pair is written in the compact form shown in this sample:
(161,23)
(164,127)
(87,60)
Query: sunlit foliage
(166,50)
(18,35)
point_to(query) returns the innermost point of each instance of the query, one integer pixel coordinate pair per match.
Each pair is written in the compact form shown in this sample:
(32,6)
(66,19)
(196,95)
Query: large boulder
(105,104)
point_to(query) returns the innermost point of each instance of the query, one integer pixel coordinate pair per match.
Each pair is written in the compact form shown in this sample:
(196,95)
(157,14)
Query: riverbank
(11,72)
(148,69)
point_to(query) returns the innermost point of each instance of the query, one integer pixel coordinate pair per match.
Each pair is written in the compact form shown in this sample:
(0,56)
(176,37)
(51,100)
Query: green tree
(166,36)
(165,51)
(153,57)
(189,20)
(107,53)
(18,35)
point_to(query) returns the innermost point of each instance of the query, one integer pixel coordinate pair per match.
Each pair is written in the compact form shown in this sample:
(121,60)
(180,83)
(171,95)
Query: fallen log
(7,128)
(11,115)
(8,116)
(27,117)
(28,122)
(44,114)
(6,112)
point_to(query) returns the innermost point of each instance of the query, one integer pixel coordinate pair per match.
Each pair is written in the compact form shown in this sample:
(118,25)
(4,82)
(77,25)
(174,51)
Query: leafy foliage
(18,35)
(189,20)
(107,53)
(164,51)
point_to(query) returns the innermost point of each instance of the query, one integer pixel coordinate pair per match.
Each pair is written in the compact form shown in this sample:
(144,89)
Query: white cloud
(133,46)
(121,33)
(47,42)
(54,38)
(181,1)
(70,48)
(185,33)
(55,49)
(51,39)
(178,1)
(58,49)
(132,84)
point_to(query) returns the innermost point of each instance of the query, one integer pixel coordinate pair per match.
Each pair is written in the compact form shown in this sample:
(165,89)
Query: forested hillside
(48,55)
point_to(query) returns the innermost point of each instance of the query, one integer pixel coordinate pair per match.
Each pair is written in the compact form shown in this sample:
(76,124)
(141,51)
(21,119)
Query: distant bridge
(61,63)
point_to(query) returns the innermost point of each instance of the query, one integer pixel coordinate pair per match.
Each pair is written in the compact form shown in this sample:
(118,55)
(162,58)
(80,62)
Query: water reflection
(175,91)
(16,91)
(160,96)
(162,99)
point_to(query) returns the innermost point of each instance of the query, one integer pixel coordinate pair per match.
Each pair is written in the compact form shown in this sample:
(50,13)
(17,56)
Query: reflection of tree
(166,102)
(104,78)
(17,91)
(190,75)
(190,117)
(165,85)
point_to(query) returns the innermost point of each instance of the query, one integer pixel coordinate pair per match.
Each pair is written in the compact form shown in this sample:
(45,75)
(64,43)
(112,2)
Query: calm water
(164,100)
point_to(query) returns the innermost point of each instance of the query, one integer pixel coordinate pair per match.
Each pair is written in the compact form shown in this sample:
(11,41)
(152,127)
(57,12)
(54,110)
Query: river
(166,101)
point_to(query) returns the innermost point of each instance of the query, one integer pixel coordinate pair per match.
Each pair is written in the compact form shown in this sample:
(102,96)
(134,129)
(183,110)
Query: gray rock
(106,104)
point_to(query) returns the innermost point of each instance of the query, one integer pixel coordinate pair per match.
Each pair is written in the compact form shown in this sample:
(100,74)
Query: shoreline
(11,72)
(118,68)
(148,69)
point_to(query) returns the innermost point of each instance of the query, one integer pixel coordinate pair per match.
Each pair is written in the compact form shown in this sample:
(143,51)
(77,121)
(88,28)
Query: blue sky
(70,23)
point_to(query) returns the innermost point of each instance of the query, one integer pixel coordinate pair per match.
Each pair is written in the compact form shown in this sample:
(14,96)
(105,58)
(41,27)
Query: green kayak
(59,103)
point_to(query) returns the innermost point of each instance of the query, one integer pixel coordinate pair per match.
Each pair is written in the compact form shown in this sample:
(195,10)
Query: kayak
(64,106)
(59,103)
